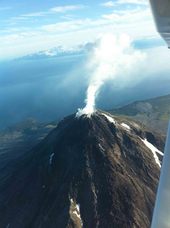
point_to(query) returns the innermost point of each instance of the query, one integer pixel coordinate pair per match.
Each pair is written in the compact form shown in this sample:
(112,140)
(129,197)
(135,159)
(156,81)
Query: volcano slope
(88,172)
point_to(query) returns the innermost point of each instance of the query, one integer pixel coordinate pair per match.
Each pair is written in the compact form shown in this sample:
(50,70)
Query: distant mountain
(154,113)
(60,51)
(100,172)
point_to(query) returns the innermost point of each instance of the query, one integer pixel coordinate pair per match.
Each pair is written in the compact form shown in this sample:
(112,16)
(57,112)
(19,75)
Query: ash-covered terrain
(98,171)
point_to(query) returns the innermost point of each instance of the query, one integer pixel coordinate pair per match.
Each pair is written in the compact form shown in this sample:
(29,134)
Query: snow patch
(126,126)
(49,53)
(109,118)
(136,125)
(159,152)
(154,151)
(50,126)
(101,148)
(76,210)
(51,158)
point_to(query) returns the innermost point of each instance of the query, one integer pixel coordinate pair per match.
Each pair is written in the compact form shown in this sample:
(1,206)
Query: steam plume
(113,56)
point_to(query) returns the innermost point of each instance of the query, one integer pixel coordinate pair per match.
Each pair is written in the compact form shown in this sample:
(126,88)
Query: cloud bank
(25,33)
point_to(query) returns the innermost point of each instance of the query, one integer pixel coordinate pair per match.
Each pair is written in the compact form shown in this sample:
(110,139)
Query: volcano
(99,171)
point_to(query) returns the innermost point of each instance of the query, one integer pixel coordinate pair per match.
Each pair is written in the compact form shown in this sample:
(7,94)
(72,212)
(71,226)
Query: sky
(29,27)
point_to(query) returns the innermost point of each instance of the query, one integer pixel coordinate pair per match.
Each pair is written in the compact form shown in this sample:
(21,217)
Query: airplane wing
(161,216)
(161,12)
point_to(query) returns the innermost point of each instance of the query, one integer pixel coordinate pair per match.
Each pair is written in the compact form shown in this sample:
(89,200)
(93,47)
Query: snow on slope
(109,118)
(126,126)
(154,151)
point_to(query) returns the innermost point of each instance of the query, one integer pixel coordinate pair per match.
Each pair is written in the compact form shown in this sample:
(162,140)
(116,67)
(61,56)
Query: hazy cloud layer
(25,33)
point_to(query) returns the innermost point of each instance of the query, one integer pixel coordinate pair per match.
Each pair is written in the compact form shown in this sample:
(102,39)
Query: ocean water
(50,88)
(43,88)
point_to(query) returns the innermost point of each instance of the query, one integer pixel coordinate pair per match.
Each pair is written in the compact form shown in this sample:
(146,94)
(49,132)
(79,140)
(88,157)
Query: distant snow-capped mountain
(60,51)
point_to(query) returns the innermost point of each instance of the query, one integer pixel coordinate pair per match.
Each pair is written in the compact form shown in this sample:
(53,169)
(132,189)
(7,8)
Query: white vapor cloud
(51,11)
(112,57)
(111,4)
(137,2)
(108,4)
(36,14)
(64,9)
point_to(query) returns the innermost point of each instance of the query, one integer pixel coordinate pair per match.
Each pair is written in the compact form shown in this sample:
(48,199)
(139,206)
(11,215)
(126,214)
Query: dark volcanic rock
(88,172)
